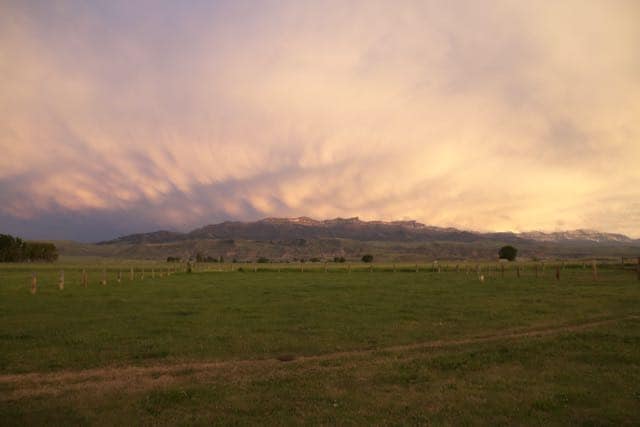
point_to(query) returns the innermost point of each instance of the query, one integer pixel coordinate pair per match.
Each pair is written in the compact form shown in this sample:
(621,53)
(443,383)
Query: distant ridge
(287,229)
(580,235)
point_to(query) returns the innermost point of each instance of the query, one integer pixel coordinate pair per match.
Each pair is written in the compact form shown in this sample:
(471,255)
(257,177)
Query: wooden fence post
(594,270)
(349,268)
(131,274)
(394,267)
(34,283)
(84,278)
(61,282)
(417,269)
(518,272)
(325,266)
(104,277)
(370,267)
(119,279)
(557,273)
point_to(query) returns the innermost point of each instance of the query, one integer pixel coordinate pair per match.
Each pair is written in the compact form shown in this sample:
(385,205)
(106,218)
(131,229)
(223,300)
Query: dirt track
(128,378)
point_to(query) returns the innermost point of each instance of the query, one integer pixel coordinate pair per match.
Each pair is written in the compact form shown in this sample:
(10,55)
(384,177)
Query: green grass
(589,376)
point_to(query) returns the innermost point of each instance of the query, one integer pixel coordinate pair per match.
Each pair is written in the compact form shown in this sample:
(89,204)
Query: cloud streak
(500,115)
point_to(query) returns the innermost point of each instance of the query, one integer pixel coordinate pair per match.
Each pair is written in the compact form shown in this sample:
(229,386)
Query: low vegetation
(508,252)
(14,249)
(345,346)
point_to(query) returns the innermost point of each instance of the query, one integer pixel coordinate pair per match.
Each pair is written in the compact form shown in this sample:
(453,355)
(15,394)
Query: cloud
(495,115)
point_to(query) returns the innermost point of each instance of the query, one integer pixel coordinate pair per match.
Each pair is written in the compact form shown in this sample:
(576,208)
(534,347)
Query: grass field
(280,346)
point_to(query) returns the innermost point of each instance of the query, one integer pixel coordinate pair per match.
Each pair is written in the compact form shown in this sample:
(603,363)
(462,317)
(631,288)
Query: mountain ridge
(272,228)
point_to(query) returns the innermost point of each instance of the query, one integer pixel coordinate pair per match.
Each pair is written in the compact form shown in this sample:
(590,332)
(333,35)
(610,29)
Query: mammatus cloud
(119,117)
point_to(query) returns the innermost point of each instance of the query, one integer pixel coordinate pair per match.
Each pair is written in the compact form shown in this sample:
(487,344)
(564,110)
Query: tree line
(14,249)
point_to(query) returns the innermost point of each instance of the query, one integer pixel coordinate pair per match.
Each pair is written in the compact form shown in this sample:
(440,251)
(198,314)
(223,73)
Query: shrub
(367,258)
(14,249)
(508,252)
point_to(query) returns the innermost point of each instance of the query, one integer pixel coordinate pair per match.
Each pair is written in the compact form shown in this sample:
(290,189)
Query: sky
(119,117)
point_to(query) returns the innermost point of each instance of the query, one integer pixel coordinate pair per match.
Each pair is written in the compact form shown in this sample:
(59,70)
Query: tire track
(128,378)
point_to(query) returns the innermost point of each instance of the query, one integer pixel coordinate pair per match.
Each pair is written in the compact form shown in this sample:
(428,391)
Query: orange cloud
(489,116)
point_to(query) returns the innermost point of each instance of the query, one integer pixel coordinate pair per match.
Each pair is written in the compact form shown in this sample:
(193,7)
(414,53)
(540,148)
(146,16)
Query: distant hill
(153,237)
(286,229)
(306,228)
(304,238)
(578,236)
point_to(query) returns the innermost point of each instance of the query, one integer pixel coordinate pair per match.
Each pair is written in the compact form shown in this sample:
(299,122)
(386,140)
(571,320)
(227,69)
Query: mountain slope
(270,229)
(288,229)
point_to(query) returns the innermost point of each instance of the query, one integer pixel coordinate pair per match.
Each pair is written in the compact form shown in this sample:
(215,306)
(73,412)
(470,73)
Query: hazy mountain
(305,238)
(162,236)
(578,236)
(290,229)
(285,229)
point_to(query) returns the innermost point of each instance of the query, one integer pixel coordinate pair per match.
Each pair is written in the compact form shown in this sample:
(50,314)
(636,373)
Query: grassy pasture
(282,346)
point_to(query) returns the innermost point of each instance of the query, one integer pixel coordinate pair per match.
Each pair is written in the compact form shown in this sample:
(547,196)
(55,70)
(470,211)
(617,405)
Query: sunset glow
(122,116)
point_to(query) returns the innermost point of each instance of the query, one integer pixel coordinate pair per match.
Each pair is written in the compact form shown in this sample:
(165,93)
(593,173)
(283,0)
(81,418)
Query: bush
(367,258)
(508,252)
(339,259)
(263,260)
(14,249)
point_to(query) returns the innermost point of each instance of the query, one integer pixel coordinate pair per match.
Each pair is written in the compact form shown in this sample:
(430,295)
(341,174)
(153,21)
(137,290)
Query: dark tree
(14,249)
(263,260)
(40,251)
(508,252)
(367,258)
